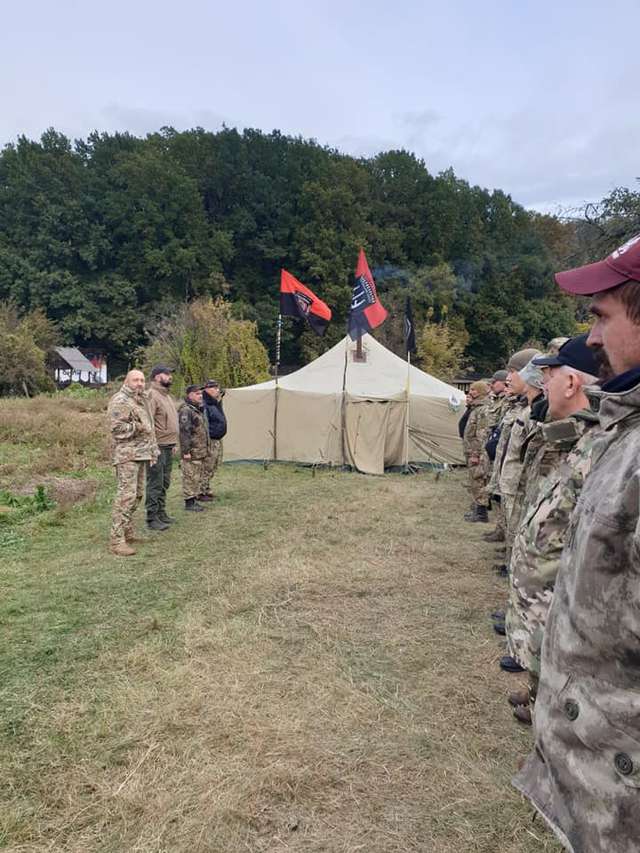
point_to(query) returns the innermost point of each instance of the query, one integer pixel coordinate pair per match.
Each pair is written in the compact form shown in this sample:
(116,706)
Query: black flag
(409,328)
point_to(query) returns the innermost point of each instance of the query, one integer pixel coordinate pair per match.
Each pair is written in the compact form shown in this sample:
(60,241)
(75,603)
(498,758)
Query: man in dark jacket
(217,427)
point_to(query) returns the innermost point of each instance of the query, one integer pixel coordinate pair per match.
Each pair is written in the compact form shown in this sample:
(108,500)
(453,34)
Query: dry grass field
(307,666)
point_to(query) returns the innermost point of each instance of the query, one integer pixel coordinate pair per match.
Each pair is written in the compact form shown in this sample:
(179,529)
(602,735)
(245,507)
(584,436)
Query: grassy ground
(308,665)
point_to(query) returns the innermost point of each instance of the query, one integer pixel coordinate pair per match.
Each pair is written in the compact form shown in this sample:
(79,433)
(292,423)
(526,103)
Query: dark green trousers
(158,481)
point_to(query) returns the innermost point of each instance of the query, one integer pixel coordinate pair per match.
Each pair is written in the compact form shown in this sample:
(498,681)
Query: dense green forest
(111,234)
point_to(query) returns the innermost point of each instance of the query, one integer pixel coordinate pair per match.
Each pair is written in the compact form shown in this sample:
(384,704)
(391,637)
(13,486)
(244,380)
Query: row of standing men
(147,430)
(528,439)
(553,443)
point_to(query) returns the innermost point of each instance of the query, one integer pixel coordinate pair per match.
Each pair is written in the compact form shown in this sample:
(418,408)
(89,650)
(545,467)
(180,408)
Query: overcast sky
(537,98)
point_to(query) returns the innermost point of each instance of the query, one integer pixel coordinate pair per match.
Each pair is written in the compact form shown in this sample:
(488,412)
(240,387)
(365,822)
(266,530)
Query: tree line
(111,235)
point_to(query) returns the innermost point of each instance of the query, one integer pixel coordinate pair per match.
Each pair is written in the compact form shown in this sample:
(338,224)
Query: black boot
(471,515)
(190,505)
(167,519)
(481,514)
(156,524)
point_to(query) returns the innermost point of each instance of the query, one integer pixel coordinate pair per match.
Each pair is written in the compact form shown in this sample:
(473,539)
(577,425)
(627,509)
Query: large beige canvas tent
(371,414)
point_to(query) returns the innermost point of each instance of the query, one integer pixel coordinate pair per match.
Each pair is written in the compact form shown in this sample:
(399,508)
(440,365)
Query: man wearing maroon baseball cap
(584,772)
(614,284)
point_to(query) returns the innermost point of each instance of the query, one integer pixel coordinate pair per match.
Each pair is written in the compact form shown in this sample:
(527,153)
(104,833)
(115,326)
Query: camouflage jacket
(131,427)
(194,435)
(584,773)
(558,470)
(537,458)
(475,432)
(512,406)
(512,462)
(497,406)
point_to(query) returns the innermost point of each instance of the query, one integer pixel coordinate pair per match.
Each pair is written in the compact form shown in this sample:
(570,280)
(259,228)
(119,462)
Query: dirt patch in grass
(63,491)
(309,665)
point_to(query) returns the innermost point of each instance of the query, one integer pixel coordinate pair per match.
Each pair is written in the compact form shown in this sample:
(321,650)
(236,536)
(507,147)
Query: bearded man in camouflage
(133,445)
(557,471)
(584,773)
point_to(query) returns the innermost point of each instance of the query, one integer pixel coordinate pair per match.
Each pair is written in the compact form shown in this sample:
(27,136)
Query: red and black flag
(366,311)
(296,300)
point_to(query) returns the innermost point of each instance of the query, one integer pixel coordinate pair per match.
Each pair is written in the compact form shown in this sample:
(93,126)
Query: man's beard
(605,371)
(166,383)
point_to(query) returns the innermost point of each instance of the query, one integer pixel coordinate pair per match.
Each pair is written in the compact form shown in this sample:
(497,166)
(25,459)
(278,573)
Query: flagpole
(275,402)
(410,344)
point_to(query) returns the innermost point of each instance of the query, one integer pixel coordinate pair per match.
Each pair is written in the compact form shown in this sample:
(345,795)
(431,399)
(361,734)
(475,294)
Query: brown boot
(494,536)
(132,538)
(523,714)
(519,697)
(122,549)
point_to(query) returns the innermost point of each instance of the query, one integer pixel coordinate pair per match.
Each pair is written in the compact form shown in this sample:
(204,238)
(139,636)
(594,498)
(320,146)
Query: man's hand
(474,459)
(186,456)
(174,450)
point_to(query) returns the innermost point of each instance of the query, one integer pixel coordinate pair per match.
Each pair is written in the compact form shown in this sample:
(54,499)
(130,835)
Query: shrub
(203,341)
(24,344)
(441,347)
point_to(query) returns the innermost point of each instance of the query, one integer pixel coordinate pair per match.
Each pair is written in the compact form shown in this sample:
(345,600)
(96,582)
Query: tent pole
(359,348)
(406,435)
(275,402)
(278,342)
(343,410)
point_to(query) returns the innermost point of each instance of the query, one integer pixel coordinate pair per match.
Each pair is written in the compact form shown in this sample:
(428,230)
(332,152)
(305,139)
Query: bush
(24,344)
(203,341)
(441,349)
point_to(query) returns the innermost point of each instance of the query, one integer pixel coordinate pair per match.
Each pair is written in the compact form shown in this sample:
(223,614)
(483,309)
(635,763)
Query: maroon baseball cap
(621,265)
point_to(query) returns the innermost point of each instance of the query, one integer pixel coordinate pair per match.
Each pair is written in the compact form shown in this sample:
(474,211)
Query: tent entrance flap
(375,434)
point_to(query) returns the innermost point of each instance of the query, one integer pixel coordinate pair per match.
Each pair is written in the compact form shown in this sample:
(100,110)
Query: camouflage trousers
(516,630)
(211,462)
(478,485)
(192,477)
(130,488)
(525,621)
(508,503)
(501,524)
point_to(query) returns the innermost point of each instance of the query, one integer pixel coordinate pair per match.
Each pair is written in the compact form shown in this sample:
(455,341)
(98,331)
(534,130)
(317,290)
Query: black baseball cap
(574,353)
(211,383)
(191,388)
(160,368)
